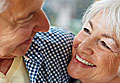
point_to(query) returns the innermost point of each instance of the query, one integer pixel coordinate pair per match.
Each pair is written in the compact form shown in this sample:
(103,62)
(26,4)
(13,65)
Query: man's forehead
(21,4)
(25,2)
(20,8)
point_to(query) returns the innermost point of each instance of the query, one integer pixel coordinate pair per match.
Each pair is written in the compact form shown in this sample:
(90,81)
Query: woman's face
(95,53)
(18,24)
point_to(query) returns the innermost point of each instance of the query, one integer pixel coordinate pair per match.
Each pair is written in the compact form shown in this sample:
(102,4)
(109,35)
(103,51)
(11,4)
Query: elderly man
(47,58)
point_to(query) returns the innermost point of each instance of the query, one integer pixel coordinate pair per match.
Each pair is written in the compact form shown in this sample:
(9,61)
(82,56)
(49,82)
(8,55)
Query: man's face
(18,24)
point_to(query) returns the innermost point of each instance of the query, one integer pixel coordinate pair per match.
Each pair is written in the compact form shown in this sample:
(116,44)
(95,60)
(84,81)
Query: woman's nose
(85,47)
(41,22)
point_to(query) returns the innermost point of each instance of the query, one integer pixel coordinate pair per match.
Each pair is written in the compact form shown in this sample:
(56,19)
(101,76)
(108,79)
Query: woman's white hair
(3,5)
(110,14)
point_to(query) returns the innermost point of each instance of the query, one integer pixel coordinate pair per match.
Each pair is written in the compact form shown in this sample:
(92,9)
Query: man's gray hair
(110,14)
(3,5)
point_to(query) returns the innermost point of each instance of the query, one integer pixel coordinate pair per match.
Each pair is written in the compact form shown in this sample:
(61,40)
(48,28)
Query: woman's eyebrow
(91,24)
(108,36)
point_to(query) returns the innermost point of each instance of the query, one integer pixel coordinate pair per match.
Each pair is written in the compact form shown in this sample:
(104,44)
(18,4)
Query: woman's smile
(84,63)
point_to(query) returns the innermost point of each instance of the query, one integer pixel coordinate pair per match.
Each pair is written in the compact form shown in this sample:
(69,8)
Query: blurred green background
(66,14)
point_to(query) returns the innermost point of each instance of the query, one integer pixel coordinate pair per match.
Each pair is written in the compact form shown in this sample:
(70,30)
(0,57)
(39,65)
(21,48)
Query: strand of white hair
(3,5)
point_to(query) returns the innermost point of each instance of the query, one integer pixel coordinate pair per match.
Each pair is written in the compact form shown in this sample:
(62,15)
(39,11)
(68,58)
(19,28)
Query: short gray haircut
(110,14)
(3,5)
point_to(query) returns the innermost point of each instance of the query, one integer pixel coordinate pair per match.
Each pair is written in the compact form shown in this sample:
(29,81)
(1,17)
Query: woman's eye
(104,44)
(86,30)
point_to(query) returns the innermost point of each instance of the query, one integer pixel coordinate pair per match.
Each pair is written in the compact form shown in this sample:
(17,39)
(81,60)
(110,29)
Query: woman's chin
(71,71)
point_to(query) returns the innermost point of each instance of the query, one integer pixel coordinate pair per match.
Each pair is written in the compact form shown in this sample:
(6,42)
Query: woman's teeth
(84,61)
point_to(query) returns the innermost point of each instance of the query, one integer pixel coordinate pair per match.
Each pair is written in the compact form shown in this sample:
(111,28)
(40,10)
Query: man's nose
(41,22)
(86,47)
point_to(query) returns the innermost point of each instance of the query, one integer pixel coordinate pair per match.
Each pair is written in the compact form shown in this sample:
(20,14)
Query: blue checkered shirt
(48,56)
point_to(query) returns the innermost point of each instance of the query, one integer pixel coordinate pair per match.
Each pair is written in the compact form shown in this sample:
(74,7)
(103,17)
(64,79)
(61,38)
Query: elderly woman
(47,58)
(96,48)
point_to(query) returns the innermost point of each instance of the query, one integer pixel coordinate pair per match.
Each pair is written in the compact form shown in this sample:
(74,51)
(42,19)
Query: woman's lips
(83,63)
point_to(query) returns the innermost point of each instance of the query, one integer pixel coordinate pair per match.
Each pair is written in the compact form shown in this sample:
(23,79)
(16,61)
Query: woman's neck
(5,65)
